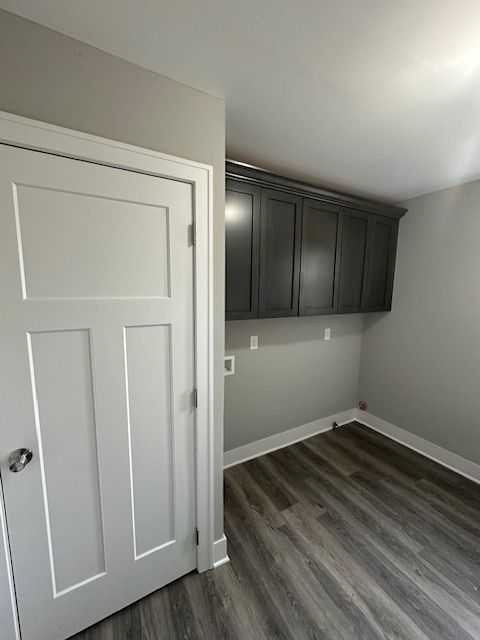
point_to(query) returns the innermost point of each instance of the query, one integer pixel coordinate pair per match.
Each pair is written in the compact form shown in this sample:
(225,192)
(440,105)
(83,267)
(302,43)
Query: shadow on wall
(288,331)
(374,319)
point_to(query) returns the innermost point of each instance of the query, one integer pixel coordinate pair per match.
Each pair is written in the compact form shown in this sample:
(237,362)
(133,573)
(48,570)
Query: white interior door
(96,379)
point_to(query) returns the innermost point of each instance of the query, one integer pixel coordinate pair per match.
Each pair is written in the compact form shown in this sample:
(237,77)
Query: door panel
(148,363)
(353,262)
(62,386)
(96,376)
(280,246)
(82,226)
(320,258)
(242,233)
(382,245)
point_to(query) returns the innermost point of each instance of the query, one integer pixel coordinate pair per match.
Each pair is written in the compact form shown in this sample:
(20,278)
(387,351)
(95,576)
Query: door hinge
(195,398)
(193,234)
(197,536)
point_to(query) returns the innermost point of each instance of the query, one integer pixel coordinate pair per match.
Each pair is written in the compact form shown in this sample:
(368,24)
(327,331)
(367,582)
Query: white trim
(284,439)
(40,136)
(452,461)
(220,552)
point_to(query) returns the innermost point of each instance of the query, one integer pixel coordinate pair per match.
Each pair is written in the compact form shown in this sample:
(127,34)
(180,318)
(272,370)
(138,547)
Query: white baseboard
(464,467)
(284,439)
(220,555)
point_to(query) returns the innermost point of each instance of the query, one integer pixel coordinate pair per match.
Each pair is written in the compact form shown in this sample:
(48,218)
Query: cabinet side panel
(380,255)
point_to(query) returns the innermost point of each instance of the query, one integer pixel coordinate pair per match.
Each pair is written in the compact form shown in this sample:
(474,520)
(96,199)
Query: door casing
(39,136)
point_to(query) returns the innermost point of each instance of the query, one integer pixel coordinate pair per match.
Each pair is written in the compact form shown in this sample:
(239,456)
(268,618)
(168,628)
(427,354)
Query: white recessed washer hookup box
(229,366)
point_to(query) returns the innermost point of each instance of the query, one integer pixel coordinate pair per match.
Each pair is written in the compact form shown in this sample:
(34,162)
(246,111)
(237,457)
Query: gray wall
(420,367)
(294,377)
(50,77)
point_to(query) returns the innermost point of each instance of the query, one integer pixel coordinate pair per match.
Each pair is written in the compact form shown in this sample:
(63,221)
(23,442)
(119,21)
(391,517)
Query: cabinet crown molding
(255,175)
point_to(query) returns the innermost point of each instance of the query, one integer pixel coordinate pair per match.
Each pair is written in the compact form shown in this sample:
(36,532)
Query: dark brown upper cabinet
(382,246)
(242,249)
(353,262)
(320,262)
(297,249)
(280,245)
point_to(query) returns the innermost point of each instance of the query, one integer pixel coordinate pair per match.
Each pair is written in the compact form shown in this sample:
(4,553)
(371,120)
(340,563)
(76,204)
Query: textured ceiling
(379,97)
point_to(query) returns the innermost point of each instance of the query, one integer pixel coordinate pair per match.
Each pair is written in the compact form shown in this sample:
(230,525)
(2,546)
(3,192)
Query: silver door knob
(19,459)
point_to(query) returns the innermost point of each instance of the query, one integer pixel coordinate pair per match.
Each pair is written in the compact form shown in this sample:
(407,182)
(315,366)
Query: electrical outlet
(253,343)
(327,334)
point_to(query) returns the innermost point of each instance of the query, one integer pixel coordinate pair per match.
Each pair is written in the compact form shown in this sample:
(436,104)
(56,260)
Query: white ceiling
(378,97)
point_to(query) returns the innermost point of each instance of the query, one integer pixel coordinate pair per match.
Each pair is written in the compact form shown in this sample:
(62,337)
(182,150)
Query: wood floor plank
(416,508)
(279,494)
(289,476)
(384,616)
(271,565)
(206,595)
(417,604)
(258,500)
(255,587)
(156,622)
(344,494)
(458,569)
(325,446)
(246,615)
(183,620)
(126,623)
(466,515)
(405,562)
(345,536)
(341,498)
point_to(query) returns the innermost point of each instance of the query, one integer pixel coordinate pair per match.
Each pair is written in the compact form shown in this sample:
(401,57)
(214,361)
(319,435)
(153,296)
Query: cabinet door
(382,243)
(280,239)
(242,232)
(353,262)
(320,262)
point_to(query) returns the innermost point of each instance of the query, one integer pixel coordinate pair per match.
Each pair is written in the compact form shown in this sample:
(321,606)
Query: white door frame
(40,136)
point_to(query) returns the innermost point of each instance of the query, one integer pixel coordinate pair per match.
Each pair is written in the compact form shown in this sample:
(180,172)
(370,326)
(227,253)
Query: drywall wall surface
(293,378)
(420,365)
(50,77)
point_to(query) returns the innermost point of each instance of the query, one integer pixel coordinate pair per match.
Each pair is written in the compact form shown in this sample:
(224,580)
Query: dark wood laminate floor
(347,535)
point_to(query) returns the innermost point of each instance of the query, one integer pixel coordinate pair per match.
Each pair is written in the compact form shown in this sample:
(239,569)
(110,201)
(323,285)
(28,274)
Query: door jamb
(44,137)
